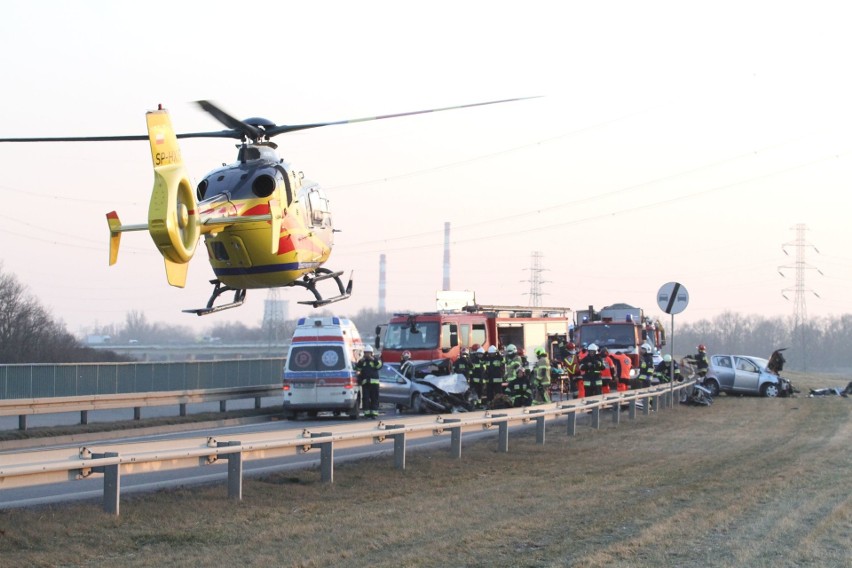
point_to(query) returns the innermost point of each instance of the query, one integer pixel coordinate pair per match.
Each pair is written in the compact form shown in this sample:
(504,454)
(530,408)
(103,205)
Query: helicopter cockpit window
(319,207)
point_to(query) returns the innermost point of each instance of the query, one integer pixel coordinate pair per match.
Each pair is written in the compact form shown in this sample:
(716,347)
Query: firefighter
(494,367)
(609,371)
(464,365)
(624,367)
(591,367)
(571,369)
(700,361)
(646,367)
(666,369)
(368,377)
(406,367)
(542,377)
(478,372)
(517,379)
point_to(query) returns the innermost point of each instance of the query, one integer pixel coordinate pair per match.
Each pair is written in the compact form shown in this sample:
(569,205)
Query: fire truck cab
(619,327)
(441,335)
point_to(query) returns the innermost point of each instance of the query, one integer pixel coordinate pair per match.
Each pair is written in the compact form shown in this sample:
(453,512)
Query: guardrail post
(455,438)
(616,412)
(223,406)
(646,406)
(235,471)
(398,446)
(182,407)
(137,413)
(502,434)
(572,423)
(596,418)
(112,482)
(539,426)
(631,413)
(257,400)
(84,417)
(22,422)
(326,457)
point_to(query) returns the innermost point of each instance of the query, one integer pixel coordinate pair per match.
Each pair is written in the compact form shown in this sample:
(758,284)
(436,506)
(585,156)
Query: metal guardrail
(71,387)
(84,379)
(51,466)
(23,407)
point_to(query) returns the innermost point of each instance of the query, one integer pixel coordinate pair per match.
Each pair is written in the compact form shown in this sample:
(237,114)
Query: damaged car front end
(431,389)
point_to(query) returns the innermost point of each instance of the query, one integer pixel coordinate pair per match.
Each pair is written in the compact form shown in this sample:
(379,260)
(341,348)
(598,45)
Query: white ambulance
(319,374)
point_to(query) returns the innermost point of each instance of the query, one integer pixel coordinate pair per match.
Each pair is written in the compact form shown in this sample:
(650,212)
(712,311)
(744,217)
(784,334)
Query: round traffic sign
(673,298)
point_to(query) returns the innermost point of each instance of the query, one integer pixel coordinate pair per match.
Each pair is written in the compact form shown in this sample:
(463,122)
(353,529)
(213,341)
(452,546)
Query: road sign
(673,298)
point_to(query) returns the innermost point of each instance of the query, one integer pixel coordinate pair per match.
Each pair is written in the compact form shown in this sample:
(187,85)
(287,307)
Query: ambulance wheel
(353,412)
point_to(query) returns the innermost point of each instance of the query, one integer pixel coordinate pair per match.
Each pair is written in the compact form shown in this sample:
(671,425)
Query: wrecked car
(744,374)
(431,388)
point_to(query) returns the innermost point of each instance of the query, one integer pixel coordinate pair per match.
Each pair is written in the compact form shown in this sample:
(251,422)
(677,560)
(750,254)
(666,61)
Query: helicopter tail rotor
(173,219)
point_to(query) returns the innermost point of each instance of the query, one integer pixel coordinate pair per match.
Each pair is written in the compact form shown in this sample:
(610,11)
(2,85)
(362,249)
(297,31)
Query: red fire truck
(442,334)
(619,327)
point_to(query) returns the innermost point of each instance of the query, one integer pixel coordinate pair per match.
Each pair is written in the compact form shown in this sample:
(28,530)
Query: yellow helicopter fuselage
(249,256)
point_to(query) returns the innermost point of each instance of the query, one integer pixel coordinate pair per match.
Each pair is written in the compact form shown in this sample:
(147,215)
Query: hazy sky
(673,141)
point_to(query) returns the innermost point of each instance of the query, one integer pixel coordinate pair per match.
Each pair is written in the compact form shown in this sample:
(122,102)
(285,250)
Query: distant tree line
(819,344)
(29,334)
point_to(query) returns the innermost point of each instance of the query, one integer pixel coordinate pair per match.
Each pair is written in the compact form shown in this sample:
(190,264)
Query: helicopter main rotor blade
(119,138)
(240,129)
(275,131)
(230,121)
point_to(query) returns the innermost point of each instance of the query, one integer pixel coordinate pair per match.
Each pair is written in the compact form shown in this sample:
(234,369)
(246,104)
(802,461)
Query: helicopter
(264,224)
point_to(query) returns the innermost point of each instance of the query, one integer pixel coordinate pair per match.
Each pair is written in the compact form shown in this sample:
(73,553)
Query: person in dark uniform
(591,367)
(368,377)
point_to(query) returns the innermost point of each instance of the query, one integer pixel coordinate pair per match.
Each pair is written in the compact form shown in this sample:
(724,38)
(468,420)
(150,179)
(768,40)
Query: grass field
(747,482)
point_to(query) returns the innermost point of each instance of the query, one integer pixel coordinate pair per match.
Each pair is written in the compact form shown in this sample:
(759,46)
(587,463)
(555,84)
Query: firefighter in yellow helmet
(541,387)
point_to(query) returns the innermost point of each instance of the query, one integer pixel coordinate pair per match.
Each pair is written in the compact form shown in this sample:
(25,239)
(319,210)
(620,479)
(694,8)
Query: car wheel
(712,386)
(769,390)
(313,413)
(416,403)
(289,415)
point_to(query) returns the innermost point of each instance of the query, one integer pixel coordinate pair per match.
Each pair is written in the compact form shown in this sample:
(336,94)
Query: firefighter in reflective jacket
(591,367)
(646,368)
(609,372)
(464,365)
(700,361)
(477,378)
(494,369)
(624,366)
(666,369)
(368,377)
(518,387)
(571,369)
(542,377)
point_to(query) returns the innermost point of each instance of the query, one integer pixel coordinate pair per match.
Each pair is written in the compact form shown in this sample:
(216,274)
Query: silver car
(743,374)
(431,390)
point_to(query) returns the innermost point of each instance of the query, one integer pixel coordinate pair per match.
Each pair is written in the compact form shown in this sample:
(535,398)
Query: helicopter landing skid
(310,284)
(218,290)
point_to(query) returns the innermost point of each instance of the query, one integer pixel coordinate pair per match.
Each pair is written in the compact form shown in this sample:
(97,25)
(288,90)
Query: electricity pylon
(799,290)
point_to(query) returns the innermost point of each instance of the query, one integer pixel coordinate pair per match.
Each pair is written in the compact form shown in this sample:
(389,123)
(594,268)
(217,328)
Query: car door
(393,387)
(747,379)
(723,369)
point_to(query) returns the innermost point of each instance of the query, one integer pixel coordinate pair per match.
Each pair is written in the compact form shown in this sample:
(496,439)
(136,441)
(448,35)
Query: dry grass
(747,482)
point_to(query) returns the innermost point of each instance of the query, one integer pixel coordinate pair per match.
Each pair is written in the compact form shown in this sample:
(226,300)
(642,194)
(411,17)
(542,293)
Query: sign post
(672,299)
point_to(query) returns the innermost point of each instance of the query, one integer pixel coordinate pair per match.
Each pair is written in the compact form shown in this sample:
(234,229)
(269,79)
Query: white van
(319,374)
